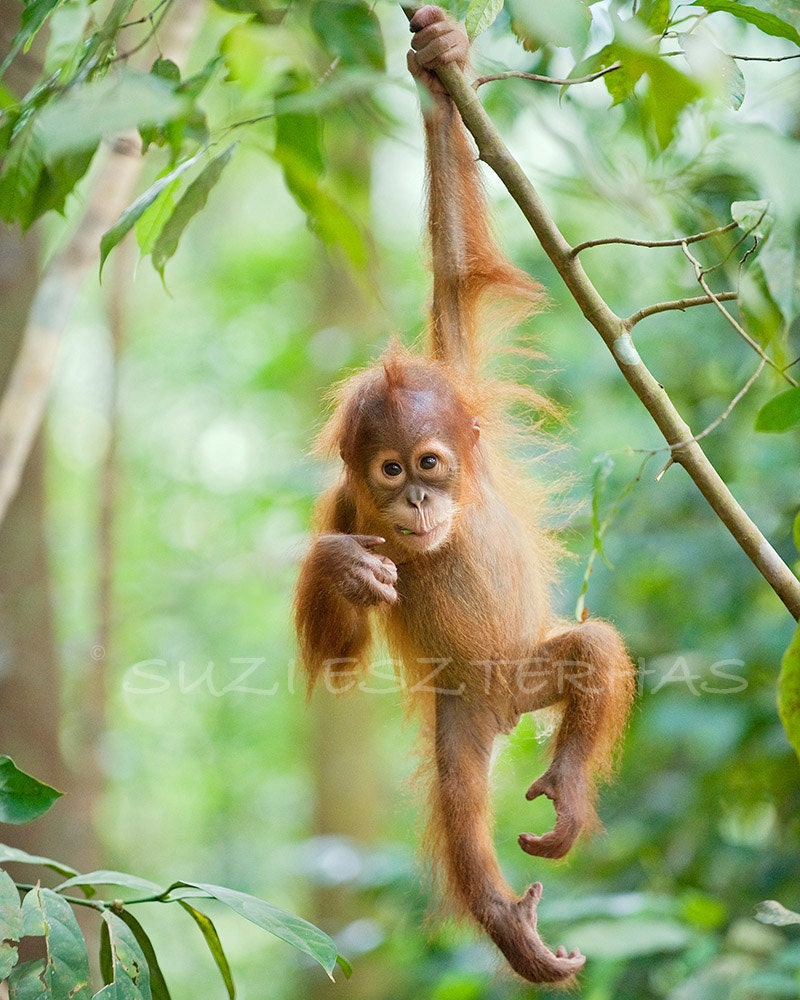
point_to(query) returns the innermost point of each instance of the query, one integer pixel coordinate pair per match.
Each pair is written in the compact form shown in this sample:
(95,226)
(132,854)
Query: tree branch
(679,304)
(679,242)
(616,335)
(25,399)
(538,78)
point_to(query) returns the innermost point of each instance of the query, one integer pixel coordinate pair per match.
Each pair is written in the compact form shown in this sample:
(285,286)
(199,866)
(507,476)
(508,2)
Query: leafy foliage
(22,798)
(128,961)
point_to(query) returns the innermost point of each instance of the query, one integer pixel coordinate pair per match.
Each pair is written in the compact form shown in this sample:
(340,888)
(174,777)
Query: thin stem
(538,78)
(700,273)
(679,304)
(730,407)
(654,243)
(93,904)
(765,58)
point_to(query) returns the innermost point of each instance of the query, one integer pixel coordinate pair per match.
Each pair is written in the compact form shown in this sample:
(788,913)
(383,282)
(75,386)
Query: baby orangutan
(424,537)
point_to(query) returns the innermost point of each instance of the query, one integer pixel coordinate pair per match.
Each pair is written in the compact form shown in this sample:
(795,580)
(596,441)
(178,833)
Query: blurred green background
(147,655)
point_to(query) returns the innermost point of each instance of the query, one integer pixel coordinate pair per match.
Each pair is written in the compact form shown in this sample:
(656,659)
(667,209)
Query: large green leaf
(123,100)
(23,858)
(481,14)
(298,149)
(154,218)
(654,14)
(770,24)
(130,974)
(718,72)
(192,202)
(10,909)
(753,217)
(22,798)
(66,971)
(65,37)
(108,877)
(781,413)
(350,32)
(11,924)
(209,932)
(33,17)
(540,22)
(669,94)
(25,982)
(758,309)
(158,985)
(294,930)
(789,691)
(113,236)
(19,177)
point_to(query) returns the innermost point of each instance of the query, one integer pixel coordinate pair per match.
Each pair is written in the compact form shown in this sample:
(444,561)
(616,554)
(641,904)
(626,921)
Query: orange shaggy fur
(469,616)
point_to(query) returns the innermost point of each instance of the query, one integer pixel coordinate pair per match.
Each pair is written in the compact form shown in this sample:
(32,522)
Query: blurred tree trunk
(351,795)
(29,667)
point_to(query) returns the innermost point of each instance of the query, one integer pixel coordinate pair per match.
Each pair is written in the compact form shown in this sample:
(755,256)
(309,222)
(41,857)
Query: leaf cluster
(128,963)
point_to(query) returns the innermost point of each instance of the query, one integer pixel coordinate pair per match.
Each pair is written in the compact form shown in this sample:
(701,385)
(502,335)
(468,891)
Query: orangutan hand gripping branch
(428,537)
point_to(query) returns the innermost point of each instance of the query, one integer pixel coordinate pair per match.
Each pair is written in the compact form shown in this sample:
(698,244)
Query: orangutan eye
(428,462)
(392,469)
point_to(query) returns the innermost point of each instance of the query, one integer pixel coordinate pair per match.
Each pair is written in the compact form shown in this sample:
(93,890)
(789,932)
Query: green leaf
(192,202)
(11,924)
(796,532)
(82,116)
(166,69)
(209,932)
(158,985)
(758,309)
(670,92)
(481,15)
(108,877)
(8,958)
(19,177)
(350,32)
(265,11)
(65,40)
(66,971)
(773,912)
(130,978)
(22,798)
(113,236)
(298,149)
(105,958)
(539,22)
(294,930)
(58,181)
(10,909)
(789,691)
(33,17)
(25,982)
(154,218)
(781,413)
(770,24)
(23,858)
(654,14)
(753,217)
(719,72)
